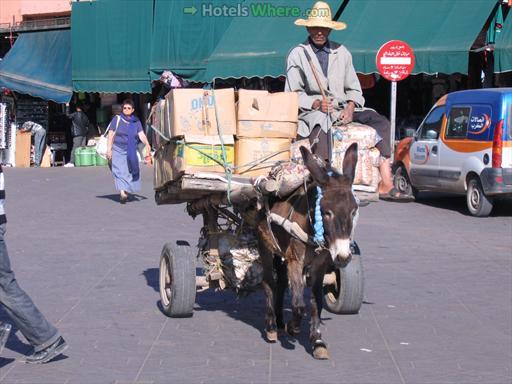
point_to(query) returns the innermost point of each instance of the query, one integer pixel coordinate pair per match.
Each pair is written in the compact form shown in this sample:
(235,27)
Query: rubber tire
(177,280)
(348,299)
(478,204)
(402,183)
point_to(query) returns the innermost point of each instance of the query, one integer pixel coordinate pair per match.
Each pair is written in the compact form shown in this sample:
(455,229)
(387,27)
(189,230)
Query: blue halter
(318,226)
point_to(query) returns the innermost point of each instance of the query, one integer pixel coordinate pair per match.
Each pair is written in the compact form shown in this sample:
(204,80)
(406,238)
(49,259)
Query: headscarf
(131,152)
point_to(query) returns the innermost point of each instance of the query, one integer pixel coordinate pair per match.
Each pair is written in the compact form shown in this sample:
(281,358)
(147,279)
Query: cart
(227,245)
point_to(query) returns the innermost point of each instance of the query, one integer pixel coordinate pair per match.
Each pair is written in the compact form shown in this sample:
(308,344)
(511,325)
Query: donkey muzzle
(340,251)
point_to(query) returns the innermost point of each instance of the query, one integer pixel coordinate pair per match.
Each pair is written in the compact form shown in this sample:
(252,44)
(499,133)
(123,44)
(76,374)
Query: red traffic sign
(395,60)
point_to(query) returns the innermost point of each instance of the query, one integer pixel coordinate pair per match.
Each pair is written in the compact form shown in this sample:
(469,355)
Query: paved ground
(438,295)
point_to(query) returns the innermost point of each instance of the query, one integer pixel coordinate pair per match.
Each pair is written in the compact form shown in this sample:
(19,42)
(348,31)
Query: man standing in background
(79,129)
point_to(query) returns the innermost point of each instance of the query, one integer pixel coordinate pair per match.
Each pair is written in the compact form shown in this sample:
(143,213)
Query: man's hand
(324,105)
(347,115)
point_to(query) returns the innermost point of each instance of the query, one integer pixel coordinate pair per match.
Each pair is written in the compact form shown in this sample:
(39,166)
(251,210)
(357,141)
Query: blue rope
(318,227)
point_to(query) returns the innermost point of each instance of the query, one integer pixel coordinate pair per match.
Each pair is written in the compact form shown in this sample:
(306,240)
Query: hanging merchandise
(7,132)
(32,109)
(4,125)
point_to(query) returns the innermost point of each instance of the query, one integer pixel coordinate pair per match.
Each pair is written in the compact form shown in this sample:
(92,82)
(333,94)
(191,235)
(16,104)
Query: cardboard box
(263,129)
(162,169)
(46,159)
(255,157)
(194,154)
(22,157)
(193,112)
(263,114)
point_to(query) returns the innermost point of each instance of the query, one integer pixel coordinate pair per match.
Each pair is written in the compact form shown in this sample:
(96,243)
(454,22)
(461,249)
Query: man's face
(319,35)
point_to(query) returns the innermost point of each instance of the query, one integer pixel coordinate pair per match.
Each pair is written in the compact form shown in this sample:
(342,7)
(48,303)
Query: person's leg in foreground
(43,336)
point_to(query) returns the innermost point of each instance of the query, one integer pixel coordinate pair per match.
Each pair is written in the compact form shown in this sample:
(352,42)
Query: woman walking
(124,134)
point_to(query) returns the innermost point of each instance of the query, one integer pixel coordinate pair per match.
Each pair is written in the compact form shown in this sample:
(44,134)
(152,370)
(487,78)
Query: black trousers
(381,125)
(371,118)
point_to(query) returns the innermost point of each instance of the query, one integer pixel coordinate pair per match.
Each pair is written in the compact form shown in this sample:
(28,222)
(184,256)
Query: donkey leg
(282,284)
(269,286)
(315,336)
(296,282)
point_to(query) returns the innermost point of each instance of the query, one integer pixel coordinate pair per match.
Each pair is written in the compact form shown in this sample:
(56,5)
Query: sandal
(123,197)
(395,195)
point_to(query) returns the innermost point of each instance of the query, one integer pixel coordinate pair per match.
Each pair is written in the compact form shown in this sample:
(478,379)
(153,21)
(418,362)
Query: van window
(432,124)
(458,122)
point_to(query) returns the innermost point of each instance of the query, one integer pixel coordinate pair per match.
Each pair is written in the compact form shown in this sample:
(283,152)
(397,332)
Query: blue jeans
(18,305)
(39,145)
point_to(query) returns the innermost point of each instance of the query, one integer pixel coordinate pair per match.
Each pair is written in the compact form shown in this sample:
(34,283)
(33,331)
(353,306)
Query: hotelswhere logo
(257,9)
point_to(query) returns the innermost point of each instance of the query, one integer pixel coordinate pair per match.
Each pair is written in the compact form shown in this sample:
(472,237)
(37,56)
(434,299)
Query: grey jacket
(341,84)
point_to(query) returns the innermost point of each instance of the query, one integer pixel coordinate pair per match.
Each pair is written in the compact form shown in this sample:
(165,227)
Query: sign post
(395,61)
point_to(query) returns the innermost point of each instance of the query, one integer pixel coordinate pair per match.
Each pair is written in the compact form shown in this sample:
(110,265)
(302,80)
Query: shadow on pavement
(151,276)
(251,311)
(114,197)
(247,308)
(458,204)
(4,361)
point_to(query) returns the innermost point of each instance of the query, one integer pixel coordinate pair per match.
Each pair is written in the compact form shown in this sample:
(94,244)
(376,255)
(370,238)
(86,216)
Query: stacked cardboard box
(200,112)
(266,124)
(200,125)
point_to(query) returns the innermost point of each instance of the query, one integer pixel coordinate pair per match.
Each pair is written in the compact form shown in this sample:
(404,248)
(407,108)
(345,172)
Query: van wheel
(403,184)
(478,204)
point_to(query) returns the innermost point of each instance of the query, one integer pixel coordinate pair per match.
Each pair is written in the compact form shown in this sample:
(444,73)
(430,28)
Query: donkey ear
(350,161)
(315,166)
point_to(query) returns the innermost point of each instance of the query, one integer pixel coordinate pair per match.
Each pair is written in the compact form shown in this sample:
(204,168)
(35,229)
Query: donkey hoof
(271,336)
(321,353)
(291,330)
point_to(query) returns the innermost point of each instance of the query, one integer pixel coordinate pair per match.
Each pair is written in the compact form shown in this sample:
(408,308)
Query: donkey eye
(354,212)
(329,214)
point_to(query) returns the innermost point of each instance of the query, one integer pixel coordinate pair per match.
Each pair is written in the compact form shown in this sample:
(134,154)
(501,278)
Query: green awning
(257,45)
(185,33)
(110,45)
(39,64)
(440,33)
(503,48)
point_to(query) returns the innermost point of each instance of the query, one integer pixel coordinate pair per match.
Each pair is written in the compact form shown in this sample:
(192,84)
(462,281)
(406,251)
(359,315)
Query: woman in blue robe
(123,136)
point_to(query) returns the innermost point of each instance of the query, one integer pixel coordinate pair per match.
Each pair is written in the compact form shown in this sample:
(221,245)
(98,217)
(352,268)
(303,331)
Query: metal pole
(392,117)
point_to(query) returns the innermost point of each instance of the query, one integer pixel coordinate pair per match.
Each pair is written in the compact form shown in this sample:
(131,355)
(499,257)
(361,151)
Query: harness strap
(291,227)
(269,223)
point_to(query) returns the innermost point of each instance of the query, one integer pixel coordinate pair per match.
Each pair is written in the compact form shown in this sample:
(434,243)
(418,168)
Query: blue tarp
(39,64)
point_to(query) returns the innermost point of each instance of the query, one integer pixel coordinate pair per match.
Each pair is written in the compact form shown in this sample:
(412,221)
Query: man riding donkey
(322,73)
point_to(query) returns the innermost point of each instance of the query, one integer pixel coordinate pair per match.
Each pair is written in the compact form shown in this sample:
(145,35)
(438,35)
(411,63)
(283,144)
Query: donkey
(297,262)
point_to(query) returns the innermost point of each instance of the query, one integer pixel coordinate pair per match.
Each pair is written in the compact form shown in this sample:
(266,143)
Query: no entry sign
(395,60)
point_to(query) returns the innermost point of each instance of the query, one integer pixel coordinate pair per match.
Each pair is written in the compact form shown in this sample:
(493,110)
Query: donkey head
(338,205)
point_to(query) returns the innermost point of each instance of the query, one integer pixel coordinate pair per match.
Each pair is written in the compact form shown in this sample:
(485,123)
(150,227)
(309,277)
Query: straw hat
(320,16)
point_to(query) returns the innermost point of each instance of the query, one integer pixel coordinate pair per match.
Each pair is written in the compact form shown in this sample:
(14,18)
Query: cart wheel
(177,280)
(345,295)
